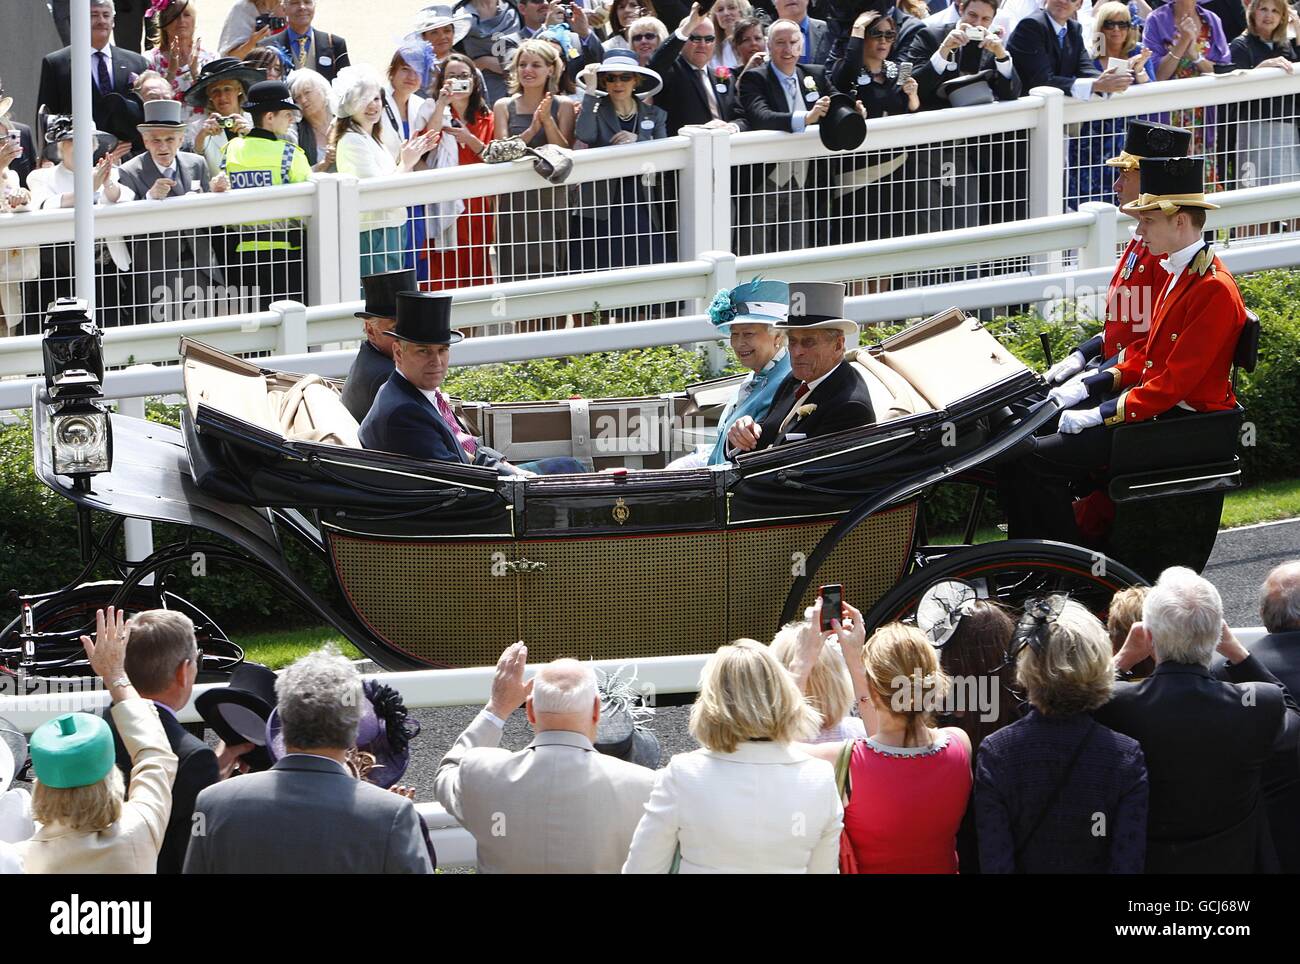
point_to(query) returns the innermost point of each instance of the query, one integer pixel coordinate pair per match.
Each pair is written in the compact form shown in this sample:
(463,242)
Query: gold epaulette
(1204,261)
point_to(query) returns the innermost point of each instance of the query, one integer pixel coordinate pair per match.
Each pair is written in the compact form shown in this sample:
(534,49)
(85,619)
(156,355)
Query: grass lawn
(1262,503)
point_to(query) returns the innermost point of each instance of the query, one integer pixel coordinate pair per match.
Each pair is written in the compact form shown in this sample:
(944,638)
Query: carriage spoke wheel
(1009,573)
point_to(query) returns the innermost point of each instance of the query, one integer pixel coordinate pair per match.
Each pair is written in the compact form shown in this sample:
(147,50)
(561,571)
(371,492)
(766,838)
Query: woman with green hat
(84,825)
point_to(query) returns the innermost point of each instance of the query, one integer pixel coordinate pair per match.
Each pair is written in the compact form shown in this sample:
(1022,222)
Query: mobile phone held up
(904,72)
(832,598)
(269,20)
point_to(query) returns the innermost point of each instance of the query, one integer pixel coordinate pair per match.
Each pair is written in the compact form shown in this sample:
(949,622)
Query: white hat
(351,86)
(437,15)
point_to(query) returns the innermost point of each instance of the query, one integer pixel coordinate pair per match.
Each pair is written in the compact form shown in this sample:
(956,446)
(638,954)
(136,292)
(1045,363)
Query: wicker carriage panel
(868,562)
(624,598)
(436,601)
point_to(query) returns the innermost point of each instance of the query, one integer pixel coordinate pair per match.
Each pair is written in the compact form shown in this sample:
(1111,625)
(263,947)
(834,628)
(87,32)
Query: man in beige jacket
(69,838)
(557,806)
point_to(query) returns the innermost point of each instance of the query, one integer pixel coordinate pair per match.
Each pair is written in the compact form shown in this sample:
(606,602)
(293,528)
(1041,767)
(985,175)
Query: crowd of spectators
(590,74)
(1156,743)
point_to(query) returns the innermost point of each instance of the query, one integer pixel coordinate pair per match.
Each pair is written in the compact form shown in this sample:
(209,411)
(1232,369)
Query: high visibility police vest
(261,160)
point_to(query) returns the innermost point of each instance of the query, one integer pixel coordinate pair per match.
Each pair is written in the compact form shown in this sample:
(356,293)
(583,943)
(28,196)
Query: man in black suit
(1279,653)
(162,662)
(1048,50)
(694,94)
(780,95)
(1206,742)
(323,52)
(942,54)
(822,394)
(115,106)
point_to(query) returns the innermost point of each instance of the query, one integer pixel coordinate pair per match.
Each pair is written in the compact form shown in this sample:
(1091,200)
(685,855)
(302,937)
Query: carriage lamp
(73,351)
(81,437)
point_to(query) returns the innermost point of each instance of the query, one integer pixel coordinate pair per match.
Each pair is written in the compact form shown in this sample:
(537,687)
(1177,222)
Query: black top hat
(382,289)
(968,90)
(238,711)
(1148,139)
(1169,183)
(424,319)
(843,128)
(223,68)
(268,95)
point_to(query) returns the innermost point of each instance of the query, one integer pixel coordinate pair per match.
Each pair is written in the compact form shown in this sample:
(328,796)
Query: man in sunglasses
(694,93)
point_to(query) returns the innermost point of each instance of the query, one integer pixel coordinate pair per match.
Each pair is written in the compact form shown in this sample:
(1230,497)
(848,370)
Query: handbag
(848,859)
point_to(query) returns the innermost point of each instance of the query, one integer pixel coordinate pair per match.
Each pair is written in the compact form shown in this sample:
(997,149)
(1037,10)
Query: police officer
(1138,277)
(267,254)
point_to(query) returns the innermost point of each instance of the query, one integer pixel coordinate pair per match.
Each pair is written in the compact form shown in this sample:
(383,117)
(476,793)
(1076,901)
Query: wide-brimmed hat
(164,114)
(424,319)
(817,304)
(1169,183)
(223,68)
(13,752)
(237,712)
(385,732)
(269,95)
(437,15)
(73,750)
(58,127)
(843,128)
(381,292)
(1144,138)
(970,90)
(166,10)
(755,302)
(621,731)
(648,82)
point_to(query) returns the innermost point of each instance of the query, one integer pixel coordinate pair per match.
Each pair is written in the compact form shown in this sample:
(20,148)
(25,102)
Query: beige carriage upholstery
(634,433)
(892,396)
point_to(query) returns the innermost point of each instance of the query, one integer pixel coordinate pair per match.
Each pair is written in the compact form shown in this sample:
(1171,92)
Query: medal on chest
(1130,260)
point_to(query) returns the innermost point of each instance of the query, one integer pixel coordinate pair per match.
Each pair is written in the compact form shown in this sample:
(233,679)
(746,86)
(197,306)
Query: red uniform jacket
(1188,355)
(1130,301)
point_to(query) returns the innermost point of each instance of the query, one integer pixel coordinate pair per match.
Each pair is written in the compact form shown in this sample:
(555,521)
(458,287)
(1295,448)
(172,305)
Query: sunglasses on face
(701,40)
(619,78)
(1117,25)
(643,37)
(889,35)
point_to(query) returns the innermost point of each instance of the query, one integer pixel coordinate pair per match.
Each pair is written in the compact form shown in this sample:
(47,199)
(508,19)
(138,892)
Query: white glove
(1072,423)
(1069,394)
(1068,367)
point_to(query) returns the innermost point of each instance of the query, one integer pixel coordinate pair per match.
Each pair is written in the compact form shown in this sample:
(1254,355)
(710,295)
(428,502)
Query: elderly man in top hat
(374,362)
(1138,276)
(1186,366)
(748,314)
(411,416)
(821,395)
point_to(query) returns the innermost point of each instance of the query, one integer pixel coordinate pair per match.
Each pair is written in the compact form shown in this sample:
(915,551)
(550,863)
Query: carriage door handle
(525,566)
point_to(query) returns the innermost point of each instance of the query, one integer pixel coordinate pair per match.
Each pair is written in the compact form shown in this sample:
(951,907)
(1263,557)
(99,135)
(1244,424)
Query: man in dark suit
(374,362)
(941,55)
(162,662)
(309,814)
(816,35)
(1279,653)
(822,394)
(115,106)
(323,52)
(781,95)
(412,417)
(693,93)
(1206,742)
(1049,51)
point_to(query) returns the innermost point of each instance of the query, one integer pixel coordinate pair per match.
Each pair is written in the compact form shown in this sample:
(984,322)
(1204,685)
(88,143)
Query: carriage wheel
(1011,572)
(73,613)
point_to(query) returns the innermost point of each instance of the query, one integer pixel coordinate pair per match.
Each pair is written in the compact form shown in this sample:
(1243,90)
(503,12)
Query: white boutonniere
(809,83)
(803,411)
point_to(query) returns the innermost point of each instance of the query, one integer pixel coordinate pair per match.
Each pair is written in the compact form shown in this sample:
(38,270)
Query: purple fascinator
(418,55)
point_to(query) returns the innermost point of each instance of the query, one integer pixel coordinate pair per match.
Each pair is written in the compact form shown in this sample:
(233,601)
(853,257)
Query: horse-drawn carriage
(444,564)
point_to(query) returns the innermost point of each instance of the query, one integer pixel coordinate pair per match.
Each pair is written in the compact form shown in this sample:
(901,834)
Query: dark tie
(105,78)
(800,392)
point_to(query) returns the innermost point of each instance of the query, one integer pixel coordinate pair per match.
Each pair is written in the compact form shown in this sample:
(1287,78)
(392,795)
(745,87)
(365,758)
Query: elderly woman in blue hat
(85,825)
(748,314)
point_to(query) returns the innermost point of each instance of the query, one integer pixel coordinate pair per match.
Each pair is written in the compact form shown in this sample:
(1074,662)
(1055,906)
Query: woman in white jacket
(363,150)
(750,801)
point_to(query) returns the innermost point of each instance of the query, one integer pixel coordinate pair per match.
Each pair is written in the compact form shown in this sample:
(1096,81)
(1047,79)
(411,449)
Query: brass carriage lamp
(81,435)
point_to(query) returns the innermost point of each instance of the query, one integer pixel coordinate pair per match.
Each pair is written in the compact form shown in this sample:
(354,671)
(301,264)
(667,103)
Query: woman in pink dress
(909,781)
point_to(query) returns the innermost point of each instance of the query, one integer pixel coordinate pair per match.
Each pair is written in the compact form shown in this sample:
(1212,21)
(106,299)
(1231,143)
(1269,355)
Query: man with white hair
(308,814)
(1206,741)
(557,806)
(1279,652)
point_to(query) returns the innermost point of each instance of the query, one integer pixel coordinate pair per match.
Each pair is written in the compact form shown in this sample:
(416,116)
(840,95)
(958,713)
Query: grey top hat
(163,114)
(817,304)
(621,731)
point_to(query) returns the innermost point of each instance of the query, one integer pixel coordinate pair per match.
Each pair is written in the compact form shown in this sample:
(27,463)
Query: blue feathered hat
(756,302)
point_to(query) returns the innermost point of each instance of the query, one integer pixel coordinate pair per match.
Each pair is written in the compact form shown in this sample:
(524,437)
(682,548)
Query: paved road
(1241,559)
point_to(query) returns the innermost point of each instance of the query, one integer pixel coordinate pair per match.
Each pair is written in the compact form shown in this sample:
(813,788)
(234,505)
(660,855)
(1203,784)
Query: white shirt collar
(106,49)
(1181,258)
(794,74)
(431,396)
(1059,26)
(812,385)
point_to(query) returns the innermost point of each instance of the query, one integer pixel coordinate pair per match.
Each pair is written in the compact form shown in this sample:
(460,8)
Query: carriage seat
(312,411)
(892,396)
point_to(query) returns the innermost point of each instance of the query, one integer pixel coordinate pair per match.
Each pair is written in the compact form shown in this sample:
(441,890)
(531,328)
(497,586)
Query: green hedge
(37,528)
